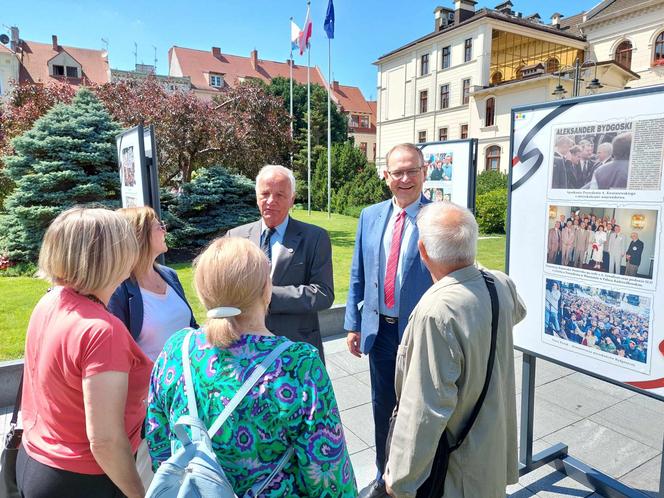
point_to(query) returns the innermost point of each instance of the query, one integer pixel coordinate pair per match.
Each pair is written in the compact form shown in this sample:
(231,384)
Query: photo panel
(607,243)
(450,171)
(605,324)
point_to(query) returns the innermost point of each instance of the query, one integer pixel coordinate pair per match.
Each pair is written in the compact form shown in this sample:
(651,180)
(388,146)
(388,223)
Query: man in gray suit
(441,368)
(301,258)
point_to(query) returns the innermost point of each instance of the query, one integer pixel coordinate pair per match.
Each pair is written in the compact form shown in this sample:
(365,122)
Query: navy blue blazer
(362,304)
(127,304)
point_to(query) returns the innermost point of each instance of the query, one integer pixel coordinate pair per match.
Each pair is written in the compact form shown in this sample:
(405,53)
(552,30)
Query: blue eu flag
(329,20)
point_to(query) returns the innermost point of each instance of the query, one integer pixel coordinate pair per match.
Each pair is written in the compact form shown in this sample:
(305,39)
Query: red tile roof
(350,98)
(197,64)
(34,58)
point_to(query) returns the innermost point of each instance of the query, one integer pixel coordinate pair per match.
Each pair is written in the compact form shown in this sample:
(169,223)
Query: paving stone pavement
(614,430)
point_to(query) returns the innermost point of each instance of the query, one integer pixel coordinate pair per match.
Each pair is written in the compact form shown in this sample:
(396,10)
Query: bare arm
(104,396)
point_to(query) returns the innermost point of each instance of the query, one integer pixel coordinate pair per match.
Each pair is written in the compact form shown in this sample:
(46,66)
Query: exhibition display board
(132,166)
(585,234)
(451,171)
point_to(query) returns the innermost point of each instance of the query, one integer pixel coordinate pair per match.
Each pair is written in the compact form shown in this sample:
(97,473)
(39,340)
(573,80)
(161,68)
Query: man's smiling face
(407,189)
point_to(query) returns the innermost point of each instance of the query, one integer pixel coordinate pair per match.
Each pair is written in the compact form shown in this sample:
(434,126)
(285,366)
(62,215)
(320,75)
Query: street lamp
(594,83)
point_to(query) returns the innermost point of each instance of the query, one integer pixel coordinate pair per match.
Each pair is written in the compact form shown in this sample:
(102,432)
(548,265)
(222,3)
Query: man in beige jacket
(441,368)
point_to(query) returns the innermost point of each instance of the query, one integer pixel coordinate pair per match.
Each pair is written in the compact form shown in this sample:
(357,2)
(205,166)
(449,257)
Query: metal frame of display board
(472,166)
(557,455)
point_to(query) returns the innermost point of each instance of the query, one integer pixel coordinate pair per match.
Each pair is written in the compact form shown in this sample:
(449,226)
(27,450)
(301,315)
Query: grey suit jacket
(302,280)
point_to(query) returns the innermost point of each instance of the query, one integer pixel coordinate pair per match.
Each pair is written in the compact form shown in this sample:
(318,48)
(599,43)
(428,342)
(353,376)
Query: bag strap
(188,381)
(491,286)
(258,488)
(17,403)
(246,387)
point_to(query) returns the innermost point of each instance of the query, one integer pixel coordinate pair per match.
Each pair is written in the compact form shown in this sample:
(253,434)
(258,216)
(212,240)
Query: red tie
(393,260)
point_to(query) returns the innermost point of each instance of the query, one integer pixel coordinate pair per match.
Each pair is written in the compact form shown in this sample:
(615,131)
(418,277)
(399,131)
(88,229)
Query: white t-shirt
(163,315)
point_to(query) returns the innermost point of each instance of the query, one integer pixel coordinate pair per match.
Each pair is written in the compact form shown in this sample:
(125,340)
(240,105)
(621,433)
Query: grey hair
(607,146)
(276,168)
(448,232)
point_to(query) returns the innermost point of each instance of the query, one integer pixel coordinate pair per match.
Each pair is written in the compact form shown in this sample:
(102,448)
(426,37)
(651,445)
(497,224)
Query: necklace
(93,298)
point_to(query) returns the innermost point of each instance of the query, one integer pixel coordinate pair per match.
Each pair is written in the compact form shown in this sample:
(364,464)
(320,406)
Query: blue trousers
(382,364)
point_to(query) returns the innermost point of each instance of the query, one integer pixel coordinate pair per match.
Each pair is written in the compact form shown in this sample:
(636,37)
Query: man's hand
(389,491)
(353,343)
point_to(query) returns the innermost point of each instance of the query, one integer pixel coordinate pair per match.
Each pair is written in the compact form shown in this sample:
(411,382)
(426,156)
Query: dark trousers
(36,480)
(382,364)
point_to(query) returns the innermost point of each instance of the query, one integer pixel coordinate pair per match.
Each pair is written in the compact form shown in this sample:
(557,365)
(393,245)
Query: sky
(364,30)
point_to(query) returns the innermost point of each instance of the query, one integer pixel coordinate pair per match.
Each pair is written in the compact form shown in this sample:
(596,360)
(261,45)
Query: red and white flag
(305,34)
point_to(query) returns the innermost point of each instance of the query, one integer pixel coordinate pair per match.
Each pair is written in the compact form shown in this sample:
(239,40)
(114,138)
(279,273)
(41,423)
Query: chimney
(505,8)
(335,86)
(254,58)
(463,10)
(437,14)
(216,52)
(555,19)
(14,39)
(54,41)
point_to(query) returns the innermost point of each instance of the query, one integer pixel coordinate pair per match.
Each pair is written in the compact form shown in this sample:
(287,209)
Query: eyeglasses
(160,225)
(410,173)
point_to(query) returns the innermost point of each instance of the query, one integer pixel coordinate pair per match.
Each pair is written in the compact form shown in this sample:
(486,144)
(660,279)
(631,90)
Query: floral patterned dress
(293,404)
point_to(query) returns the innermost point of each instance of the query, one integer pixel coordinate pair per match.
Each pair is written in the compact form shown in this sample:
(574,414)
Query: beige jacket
(441,368)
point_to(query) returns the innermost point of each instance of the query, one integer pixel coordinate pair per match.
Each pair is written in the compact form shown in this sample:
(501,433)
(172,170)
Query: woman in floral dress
(292,405)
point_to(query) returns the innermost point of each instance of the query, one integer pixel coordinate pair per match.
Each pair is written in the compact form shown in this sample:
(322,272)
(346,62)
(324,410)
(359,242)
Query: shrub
(205,208)
(491,211)
(490,180)
(363,189)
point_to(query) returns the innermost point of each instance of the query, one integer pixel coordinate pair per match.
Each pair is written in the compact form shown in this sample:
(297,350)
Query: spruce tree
(212,203)
(67,158)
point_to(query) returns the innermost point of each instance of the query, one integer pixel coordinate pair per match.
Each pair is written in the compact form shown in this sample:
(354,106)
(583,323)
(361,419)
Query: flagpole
(329,128)
(291,97)
(308,122)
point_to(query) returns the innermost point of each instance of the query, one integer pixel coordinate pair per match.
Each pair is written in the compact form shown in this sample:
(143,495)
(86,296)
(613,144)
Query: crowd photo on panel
(600,319)
(125,393)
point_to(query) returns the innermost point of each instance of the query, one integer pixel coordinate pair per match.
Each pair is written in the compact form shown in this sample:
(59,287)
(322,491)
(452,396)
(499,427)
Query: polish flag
(305,34)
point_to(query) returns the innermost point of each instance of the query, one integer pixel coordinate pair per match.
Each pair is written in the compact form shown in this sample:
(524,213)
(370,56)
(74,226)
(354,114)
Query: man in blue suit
(387,279)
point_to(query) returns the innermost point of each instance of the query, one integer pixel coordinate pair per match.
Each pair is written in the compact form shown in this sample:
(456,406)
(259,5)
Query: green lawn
(18,295)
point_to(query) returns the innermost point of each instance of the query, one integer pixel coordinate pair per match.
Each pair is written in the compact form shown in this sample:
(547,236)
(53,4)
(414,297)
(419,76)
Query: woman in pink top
(85,379)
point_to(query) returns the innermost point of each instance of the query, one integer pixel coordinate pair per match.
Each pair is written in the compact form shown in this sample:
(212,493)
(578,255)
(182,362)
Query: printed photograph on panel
(619,241)
(612,322)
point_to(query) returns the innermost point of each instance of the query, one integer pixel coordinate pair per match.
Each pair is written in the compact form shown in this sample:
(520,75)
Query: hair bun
(223,312)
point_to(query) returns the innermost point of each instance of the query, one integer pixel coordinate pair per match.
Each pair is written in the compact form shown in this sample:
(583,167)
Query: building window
(364,121)
(492,158)
(424,100)
(421,137)
(442,134)
(354,121)
(216,80)
(496,78)
(72,72)
(444,96)
(363,148)
(58,70)
(490,111)
(624,54)
(424,65)
(465,95)
(658,57)
(464,131)
(446,58)
(468,50)
(552,65)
